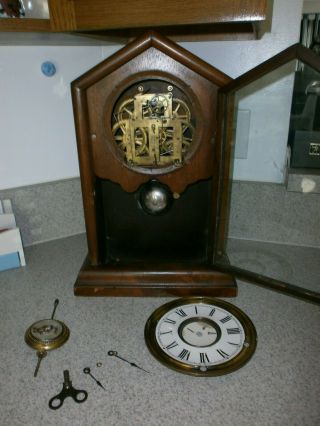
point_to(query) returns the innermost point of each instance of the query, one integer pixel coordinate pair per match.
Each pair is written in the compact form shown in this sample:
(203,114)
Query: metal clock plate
(153,125)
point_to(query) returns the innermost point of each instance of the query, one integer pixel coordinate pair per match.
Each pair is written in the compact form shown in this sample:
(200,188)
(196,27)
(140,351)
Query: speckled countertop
(279,386)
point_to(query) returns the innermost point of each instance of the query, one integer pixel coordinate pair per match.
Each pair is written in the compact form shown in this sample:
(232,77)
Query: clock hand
(56,303)
(114,353)
(88,371)
(209,332)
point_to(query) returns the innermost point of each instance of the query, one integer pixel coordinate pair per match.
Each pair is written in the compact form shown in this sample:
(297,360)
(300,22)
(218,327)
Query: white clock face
(200,336)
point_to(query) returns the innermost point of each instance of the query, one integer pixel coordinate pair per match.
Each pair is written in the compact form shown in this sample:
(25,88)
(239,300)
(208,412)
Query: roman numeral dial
(184,354)
(200,335)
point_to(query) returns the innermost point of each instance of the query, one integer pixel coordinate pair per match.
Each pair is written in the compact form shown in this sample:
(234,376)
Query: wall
(262,151)
(37,141)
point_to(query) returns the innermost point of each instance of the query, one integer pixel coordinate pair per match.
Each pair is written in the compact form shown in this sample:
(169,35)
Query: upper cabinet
(192,19)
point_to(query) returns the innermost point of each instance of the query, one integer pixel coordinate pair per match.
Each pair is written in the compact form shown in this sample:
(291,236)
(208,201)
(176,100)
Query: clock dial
(201,336)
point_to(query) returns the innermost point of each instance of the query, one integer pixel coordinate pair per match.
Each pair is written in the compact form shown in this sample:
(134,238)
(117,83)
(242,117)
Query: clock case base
(153,280)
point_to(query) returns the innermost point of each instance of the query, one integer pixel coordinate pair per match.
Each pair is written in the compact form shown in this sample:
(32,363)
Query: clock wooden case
(150,164)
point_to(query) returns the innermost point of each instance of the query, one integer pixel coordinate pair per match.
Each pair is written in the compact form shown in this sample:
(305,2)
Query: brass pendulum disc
(46,335)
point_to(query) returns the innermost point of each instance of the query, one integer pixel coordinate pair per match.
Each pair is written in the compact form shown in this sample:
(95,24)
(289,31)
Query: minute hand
(114,353)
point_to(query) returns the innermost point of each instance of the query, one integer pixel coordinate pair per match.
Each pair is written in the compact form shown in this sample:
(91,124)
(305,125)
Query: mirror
(37,9)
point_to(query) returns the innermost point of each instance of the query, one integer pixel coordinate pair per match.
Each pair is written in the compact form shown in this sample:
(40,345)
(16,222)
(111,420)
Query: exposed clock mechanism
(147,123)
(153,125)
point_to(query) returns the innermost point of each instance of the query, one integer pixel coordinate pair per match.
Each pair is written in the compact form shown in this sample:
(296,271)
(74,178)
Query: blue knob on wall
(48,69)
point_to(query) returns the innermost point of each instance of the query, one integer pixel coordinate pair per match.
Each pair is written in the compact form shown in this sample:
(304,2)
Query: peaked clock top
(149,110)
(147,41)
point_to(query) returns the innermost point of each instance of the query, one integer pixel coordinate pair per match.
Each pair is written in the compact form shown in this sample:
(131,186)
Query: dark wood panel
(132,235)
(226,146)
(130,14)
(20,25)
(270,283)
(62,15)
(153,280)
(149,39)
(86,173)
(150,56)
(201,32)
(180,20)
(101,98)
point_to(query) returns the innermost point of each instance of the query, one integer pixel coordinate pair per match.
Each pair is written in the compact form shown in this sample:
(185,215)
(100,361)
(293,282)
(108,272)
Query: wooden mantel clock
(150,164)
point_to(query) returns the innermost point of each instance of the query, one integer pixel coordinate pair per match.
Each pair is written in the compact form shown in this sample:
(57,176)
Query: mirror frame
(226,105)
